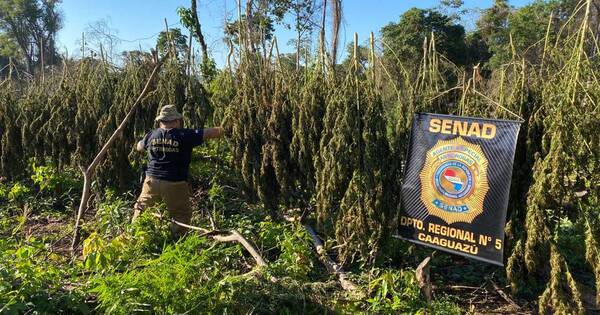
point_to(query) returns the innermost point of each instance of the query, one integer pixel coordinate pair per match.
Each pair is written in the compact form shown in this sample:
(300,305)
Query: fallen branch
(463,287)
(89,172)
(222,236)
(331,266)
(235,236)
(505,296)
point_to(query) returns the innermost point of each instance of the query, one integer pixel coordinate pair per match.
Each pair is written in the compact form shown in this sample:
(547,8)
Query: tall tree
(493,27)
(189,18)
(257,22)
(101,36)
(405,38)
(33,25)
(336,20)
(304,11)
(8,49)
(172,42)
(527,27)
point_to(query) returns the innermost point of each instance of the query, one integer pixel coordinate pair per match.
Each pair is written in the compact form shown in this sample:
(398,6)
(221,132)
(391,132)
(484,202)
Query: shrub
(32,283)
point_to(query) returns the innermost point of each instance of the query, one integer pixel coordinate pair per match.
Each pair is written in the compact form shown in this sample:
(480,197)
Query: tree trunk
(322,35)
(297,36)
(89,172)
(336,11)
(249,28)
(198,31)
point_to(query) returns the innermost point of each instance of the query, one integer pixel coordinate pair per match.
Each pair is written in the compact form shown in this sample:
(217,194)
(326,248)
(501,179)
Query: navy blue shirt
(170,152)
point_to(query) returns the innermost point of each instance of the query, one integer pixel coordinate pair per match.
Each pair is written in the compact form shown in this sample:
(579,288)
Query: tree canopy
(406,37)
(28,31)
(172,41)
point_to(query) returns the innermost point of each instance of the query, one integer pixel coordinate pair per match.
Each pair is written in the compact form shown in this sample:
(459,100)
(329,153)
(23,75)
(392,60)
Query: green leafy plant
(397,291)
(32,283)
(18,192)
(113,214)
(295,257)
(48,178)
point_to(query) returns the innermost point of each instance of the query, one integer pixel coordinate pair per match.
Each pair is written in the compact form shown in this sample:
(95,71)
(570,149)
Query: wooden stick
(331,266)
(89,172)
(235,236)
(222,236)
(463,287)
(424,278)
(504,295)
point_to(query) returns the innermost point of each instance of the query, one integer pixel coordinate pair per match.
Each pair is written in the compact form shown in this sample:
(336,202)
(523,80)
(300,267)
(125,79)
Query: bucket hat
(168,113)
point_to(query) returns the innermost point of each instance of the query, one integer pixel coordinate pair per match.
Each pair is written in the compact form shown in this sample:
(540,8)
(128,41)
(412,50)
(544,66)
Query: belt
(166,180)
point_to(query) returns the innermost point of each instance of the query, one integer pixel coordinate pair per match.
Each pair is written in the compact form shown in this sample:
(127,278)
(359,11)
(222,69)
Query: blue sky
(138,22)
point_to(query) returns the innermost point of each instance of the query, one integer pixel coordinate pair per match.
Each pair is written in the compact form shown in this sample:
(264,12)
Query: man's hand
(140,146)
(212,133)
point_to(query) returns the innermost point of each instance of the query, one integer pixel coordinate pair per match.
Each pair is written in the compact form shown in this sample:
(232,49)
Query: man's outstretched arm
(212,133)
(140,146)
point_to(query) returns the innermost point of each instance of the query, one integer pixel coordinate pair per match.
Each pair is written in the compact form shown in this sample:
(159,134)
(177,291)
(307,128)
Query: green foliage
(562,169)
(492,25)
(172,43)
(8,48)
(48,179)
(31,283)
(18,192)
(307,127)
(257,23)
(260,134)
(100,255)
(3,191)
(406,37)
(397,292)
(103,252)
(296,258)
(329,142)
(92,95)
(30,24)
(193,275)
(509,32)
(528,25)
(11,146)
(113,214)
(354,183)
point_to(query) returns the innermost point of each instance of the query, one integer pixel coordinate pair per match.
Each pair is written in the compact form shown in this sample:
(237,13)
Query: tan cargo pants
(176,195)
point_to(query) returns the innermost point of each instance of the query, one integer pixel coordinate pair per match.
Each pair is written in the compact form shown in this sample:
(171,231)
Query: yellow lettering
(460,128)
(488,131)
(446,126)
(483,240)
(434,125)
(431,228)
(406,221)
(474,131)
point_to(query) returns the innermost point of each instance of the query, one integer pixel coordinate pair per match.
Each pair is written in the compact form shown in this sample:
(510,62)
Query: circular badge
(454,180)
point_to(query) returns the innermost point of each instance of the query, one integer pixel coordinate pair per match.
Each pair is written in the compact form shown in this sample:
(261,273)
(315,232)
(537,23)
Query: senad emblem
(454,180)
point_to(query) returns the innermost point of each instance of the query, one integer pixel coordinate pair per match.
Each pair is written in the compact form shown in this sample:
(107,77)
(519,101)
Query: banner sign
(456,184)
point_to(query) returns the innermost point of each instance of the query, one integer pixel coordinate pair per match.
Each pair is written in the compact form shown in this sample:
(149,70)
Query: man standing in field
(169,154)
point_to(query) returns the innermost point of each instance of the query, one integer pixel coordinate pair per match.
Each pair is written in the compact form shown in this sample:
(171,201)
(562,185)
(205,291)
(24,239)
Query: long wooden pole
(89,172)
(222,236)
(331,266)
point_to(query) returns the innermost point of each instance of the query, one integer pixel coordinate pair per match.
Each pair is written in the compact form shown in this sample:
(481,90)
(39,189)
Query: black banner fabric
(456,184)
